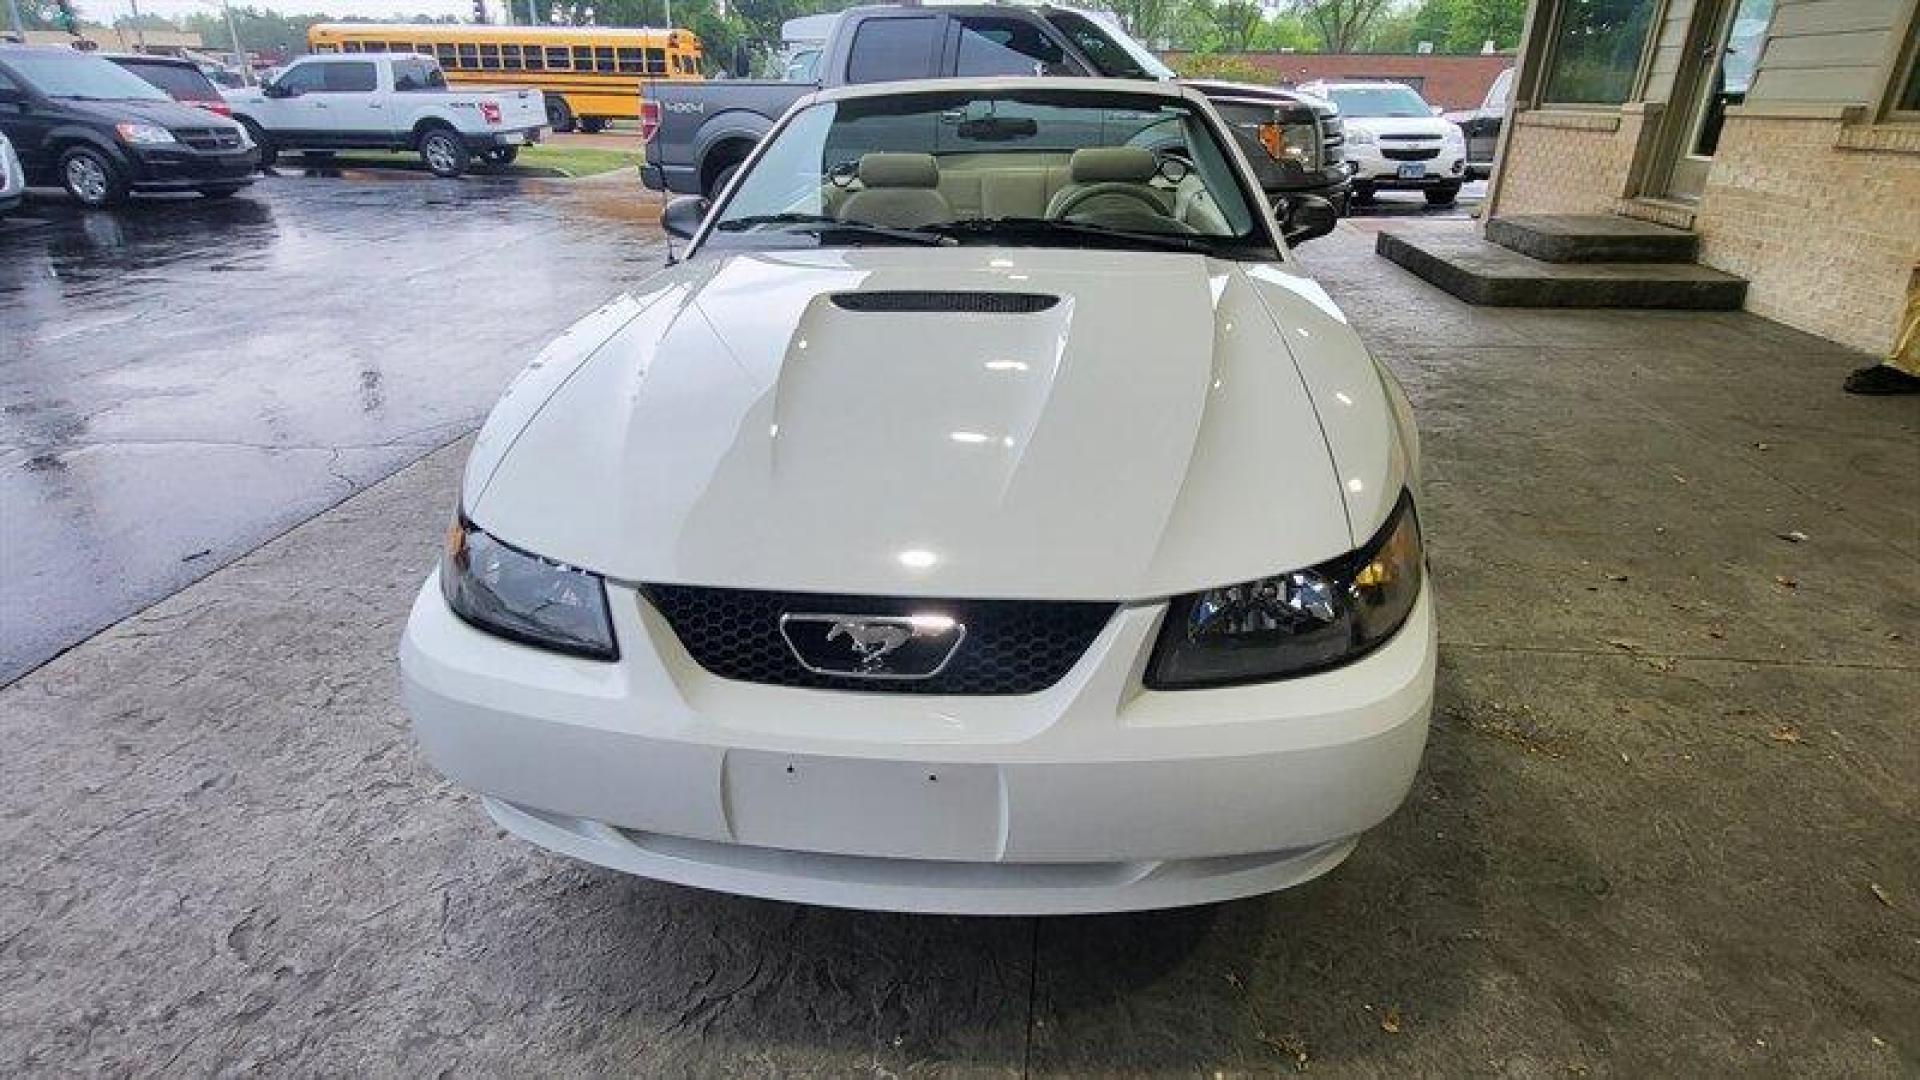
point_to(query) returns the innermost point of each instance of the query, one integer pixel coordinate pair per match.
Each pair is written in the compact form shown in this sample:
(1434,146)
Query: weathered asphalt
(1669,822)
(183,379)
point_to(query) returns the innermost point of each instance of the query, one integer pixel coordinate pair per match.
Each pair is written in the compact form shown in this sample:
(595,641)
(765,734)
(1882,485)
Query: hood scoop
(920,300)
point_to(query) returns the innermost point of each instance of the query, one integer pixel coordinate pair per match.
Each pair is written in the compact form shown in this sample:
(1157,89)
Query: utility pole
(139,32)
(20,27)
(239,54)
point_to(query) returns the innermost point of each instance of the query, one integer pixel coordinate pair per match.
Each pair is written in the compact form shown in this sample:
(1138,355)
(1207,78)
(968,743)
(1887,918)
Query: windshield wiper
(1029,228)
(822,225)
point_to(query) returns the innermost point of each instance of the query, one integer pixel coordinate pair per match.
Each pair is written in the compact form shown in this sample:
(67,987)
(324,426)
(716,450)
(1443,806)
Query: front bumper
(177,168)
(1092,795)
(1373,169)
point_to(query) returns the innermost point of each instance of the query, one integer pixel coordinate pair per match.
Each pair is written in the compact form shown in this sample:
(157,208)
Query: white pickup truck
(387,101)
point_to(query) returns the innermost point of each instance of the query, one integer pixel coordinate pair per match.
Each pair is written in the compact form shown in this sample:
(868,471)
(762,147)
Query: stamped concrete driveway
(1669,822)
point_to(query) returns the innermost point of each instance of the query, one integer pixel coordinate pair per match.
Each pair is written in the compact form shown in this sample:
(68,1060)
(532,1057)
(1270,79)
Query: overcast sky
(106,10)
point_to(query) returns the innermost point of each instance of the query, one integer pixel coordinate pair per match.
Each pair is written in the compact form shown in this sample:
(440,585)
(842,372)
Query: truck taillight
(490,112)
(649,120)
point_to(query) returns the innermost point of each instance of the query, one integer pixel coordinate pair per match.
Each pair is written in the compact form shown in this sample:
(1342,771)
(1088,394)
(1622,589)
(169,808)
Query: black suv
(101,132)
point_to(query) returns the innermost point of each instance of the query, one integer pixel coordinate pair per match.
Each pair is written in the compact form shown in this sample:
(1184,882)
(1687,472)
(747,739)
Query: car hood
(1148,433)
(1431,126)
(167,114)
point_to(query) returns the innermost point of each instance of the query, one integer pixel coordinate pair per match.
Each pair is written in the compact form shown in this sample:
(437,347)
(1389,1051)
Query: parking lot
(1668,821)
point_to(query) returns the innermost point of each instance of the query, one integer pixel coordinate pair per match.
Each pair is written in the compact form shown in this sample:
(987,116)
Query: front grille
(972,303)
(1409,138)
(1010,647)
(220,138)
(1409,155)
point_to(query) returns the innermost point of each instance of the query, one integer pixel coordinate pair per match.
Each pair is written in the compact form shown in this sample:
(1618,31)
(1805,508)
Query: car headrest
(899,170)
(1106,164)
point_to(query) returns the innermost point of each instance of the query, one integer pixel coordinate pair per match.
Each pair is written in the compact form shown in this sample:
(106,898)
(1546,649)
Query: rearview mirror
(683,215)
(1306,217)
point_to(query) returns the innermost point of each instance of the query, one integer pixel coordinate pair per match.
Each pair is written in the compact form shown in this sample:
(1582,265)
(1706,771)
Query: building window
(1905,103)
(1596,50)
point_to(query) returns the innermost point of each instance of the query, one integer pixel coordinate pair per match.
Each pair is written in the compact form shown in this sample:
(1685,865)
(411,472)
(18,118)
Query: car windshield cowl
(823,226)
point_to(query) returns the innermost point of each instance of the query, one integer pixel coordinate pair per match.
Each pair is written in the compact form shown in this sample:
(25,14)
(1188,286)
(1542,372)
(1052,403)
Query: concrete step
(1593,238)
(1494,276)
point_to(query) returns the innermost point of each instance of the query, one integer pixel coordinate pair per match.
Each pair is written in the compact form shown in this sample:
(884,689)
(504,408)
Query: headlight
(143,134)
(1454,140)
(1293,623)
(1359,138)
(524,597)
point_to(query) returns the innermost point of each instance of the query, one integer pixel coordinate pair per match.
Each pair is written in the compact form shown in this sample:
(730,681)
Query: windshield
(1037,167)
(1379,101)
(1113,53)
(59,73)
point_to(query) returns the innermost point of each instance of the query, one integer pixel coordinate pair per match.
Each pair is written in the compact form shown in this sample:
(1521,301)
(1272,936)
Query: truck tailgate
(520,107)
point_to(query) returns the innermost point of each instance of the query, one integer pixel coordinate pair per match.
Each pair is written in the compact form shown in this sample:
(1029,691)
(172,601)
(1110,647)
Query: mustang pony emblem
(872,642)
(873,646)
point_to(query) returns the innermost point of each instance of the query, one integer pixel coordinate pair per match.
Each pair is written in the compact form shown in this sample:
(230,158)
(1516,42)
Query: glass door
(1717,79)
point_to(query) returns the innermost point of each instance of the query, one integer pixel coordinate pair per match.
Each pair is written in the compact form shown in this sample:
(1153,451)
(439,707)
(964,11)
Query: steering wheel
(1106,188)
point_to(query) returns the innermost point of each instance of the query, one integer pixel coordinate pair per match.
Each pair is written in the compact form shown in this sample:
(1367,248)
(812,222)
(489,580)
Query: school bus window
(531,60)
(603,58)
(444,51)
(656,61)
(510,57)
(557,58)
(350,46)
(583,58)
(629,61)
(469,56)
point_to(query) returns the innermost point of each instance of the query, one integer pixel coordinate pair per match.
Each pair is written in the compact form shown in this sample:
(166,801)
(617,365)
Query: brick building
(1785,132)
(1451,82)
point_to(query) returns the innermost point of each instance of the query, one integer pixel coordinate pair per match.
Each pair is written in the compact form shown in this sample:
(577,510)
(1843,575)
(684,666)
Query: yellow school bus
(589,74)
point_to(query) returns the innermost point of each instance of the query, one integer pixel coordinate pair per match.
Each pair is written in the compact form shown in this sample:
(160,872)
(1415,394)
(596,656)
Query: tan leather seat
(898,190)
(1110,180)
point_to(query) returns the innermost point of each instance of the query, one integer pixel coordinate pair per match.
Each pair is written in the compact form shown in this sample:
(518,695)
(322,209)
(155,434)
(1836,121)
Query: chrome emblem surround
(870,641)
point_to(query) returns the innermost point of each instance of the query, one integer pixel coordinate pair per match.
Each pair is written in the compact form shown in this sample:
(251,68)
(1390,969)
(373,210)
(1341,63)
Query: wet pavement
(1668,823)
(183,379)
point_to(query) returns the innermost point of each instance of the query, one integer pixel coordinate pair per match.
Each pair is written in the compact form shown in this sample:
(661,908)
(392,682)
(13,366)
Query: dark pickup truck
(697,133)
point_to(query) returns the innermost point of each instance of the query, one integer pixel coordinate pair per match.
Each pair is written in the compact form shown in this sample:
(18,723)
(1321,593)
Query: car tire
(92,178)
(444,152)
(501,156)
(593,125)
(268,152)
(559,113)
(220,191)
(1442,194)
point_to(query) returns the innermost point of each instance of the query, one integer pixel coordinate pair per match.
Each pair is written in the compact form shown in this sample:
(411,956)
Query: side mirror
(1306,217)
(12,95)
(276,90)
(682,216)
(1439,110)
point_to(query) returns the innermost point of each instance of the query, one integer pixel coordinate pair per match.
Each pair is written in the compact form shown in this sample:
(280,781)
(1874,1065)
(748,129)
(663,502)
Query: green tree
(1231,24)
(1340,25)
(1464,26)
(1152,22)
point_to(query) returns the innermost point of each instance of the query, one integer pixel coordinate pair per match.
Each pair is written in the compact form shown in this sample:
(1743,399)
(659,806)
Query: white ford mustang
(985,515)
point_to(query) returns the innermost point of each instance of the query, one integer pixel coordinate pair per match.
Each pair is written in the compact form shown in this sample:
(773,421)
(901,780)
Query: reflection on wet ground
(184,378)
